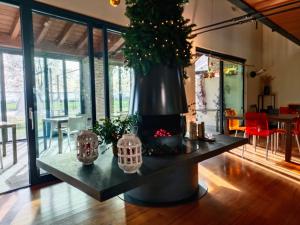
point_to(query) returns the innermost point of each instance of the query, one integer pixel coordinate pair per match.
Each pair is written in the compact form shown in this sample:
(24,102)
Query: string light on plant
(163,25)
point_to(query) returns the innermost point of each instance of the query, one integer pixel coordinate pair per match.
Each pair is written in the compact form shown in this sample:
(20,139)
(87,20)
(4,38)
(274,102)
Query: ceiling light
(114,3)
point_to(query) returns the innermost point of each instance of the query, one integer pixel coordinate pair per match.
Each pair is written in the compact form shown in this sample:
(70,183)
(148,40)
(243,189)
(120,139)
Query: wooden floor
(14,176)
(239,192)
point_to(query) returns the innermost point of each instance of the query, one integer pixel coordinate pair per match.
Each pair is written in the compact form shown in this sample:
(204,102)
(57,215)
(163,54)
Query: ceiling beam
(116,46)
(82,41)
(266,21)
(46,26)
(268,4)
(7,42)
(16,28)
(65,34)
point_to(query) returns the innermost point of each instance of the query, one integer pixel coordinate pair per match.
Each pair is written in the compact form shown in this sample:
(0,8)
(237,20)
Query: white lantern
(129,153)
(87,147)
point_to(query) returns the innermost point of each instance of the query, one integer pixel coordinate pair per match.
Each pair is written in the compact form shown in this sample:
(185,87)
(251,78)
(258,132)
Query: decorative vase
(129,153)
(267,90)
(87,147)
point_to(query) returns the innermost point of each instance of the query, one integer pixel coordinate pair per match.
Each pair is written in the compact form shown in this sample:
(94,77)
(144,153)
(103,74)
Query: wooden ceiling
(54,35)
(288,21)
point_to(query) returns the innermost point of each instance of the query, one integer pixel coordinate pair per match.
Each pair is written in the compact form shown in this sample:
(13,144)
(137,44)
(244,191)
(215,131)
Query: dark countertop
(105,179)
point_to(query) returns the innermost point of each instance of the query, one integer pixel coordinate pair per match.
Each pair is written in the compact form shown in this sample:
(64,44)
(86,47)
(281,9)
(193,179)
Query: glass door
(219,85)
(14,169)
(62,92)
(207,83)
(233,87)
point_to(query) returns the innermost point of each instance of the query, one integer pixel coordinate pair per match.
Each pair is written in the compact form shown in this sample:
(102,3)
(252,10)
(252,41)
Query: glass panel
(233,87)
(14,93)
(99,73)
(40,91)
(73,70)
(207,93)
(14,170)
(56,87)
(64,103)
(120,77)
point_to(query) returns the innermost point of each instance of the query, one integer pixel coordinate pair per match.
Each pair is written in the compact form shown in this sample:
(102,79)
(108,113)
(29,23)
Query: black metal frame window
(49,79)
(225,57)
(27,8)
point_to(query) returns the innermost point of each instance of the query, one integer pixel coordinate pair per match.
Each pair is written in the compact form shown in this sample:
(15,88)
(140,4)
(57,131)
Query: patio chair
(75,126)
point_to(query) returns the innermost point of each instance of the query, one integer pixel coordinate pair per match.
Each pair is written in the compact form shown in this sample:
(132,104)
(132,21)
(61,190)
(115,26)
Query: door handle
(31,118)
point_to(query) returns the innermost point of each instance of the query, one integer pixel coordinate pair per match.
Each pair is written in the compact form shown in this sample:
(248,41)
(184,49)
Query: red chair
(264,131)
(251,122)
(296,133)
(281,127)
(257,125)
(284,110)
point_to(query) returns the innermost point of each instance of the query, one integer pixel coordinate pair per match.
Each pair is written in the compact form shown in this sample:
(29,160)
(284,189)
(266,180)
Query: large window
(62,83)
(61,87)
(120,76)
(73,78)
(13,136)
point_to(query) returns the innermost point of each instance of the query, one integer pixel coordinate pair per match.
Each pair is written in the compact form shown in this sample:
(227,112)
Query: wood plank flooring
(14,176)
(239,192)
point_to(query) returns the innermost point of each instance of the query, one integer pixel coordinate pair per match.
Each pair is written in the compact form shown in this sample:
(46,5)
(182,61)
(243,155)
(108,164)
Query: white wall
(99,9)
(243,41)
(281,59)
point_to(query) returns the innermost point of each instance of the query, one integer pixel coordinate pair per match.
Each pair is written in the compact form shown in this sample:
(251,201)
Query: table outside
(288,119)
(55,122)
(3,127)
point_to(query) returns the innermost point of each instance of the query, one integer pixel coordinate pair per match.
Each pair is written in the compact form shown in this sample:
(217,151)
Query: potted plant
(110,131)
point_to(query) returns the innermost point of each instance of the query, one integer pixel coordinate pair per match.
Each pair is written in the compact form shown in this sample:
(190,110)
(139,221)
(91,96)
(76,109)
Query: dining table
(287,119)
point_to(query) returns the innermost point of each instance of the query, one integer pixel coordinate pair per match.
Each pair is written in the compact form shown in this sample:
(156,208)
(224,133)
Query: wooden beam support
(82,41)
(116,46)
(7,42)
(46,26)
(16,28)
(65,34)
